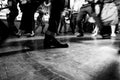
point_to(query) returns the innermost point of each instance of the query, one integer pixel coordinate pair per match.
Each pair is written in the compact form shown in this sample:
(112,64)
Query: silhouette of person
(12,4)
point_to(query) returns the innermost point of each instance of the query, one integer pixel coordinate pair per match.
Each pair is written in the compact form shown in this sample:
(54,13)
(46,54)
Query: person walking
(89,9)
(27,22)
(39,21)
(63,21)
(12,6)
(57,6)
(28,9)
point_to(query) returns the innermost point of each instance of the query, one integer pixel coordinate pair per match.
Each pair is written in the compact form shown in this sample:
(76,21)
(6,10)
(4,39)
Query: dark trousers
(57,7)
(82,14)
(73,22)
(11,18)
(27,21)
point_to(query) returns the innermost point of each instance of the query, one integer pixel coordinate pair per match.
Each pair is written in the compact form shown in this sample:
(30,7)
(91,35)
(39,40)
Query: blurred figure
(28,23)
(12,5)
(57,6)
(110,16)
(63,20)
(28,9)
(75,6)
(40,22)
(46,9)
(73,21)
(88,8)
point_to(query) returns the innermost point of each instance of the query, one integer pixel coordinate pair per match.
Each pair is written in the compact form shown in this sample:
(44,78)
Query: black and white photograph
(59,39)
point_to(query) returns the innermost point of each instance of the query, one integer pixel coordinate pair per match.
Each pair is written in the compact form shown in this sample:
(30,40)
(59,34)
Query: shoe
(106,36)
(94,34)
(14,34)
(20,32)
(29,34)
(80,35)
(51,42)
(113,35)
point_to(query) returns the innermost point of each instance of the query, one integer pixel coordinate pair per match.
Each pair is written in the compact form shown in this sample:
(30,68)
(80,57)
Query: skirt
(109,14)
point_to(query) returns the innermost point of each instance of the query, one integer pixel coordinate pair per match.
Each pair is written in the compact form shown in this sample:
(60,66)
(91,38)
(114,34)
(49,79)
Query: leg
(12,16)
(43,26)
(57,7)
(73,22)
(10,20)
(113,27)
(95,31)
(81,15)
(61,24)
(28,22)
(65,27)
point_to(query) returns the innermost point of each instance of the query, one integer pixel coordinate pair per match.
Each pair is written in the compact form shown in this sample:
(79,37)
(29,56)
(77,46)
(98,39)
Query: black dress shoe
(51,42)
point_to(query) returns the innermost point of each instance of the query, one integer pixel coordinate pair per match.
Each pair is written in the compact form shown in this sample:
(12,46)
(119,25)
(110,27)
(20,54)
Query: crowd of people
(100,17)
(28,8)
(102,14)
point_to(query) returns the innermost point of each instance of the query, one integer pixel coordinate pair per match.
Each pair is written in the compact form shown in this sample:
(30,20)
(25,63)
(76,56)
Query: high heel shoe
(51,42)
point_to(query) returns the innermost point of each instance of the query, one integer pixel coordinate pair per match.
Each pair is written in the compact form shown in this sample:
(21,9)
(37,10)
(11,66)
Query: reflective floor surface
(87,58)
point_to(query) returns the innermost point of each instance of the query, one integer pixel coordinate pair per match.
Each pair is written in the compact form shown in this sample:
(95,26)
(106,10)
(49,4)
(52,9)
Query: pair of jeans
(83,13)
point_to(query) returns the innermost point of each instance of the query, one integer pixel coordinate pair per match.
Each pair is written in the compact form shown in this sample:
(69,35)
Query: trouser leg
(73,22)
(98,23)
(57,7)
(11,19)
(27,21)
(81,15)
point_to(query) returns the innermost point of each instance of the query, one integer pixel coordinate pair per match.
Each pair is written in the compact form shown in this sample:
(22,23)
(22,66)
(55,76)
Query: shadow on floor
(111,73)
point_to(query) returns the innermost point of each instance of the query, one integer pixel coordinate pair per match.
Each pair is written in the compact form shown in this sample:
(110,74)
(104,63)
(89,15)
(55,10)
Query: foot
(20,33)
(80,35)
(113,35)
(29,34)
(94,34)
(51,42)
(106,36)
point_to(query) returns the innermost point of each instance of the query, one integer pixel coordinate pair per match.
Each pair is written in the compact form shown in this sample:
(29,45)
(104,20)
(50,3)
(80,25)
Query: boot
(51,42)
